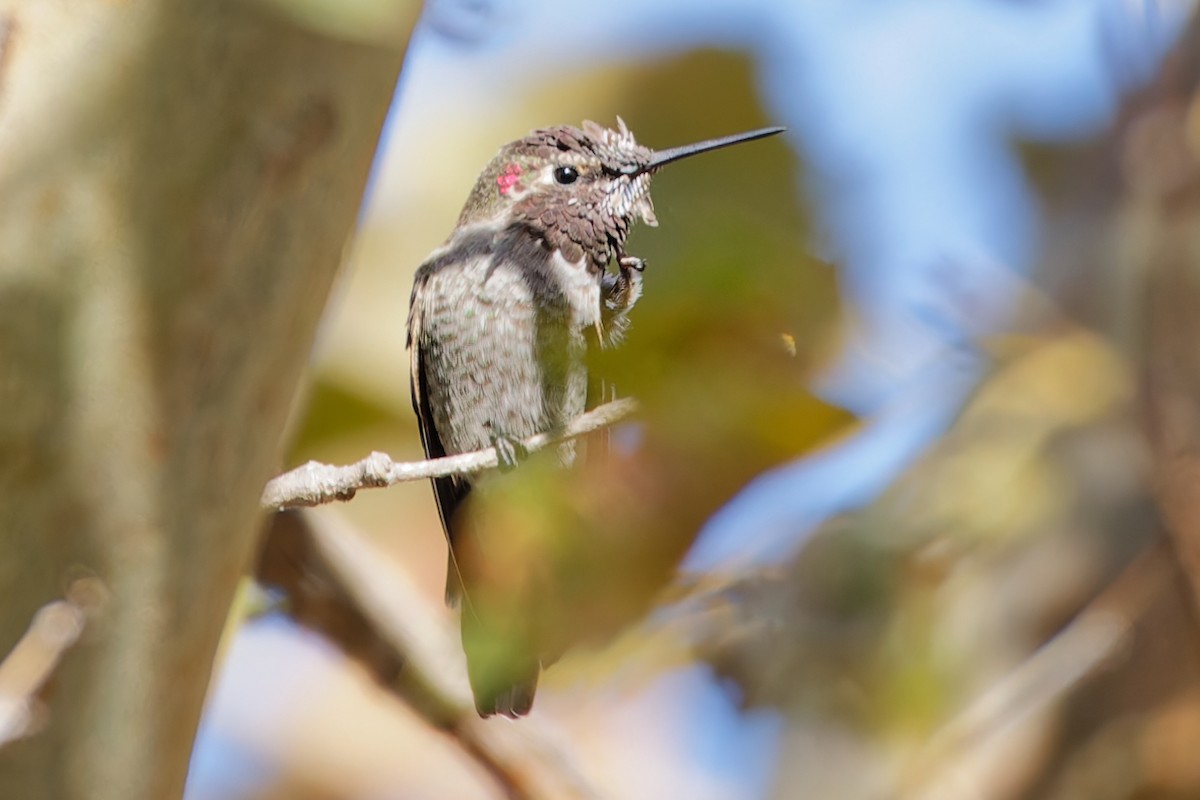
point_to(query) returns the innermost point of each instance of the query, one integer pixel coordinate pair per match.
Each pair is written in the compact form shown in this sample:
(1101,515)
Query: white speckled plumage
(509,342)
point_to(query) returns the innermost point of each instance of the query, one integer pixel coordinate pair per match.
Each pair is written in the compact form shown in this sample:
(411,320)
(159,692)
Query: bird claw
(631,263)
(509,452)
(620,291)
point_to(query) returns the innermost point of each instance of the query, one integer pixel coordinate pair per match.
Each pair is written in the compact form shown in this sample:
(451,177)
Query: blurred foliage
(894,620)
(878,641)
(333,412)
(365,20)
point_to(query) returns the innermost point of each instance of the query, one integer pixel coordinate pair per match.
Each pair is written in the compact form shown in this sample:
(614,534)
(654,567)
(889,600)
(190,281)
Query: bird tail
(503,676)
(514,701)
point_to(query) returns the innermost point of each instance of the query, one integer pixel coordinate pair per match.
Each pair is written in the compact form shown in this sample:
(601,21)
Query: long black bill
(662,157)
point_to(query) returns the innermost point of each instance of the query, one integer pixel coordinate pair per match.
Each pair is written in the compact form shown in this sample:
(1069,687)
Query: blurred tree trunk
(178,180)
(1124,255)
(1160,223)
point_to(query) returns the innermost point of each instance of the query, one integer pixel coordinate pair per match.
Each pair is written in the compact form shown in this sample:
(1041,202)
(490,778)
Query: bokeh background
(886,524)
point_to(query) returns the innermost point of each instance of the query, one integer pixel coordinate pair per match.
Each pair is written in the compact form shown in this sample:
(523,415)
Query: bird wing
(449,492)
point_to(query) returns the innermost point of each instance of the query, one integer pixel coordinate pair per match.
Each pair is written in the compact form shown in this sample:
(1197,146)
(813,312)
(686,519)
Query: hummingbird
(501,321)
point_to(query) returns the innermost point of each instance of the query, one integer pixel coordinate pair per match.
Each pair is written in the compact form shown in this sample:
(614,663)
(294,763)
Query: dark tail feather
(504,677)
(513,701)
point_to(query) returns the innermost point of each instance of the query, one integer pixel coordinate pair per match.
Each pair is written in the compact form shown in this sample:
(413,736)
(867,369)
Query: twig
(314,483)
(25,670)
(338,585)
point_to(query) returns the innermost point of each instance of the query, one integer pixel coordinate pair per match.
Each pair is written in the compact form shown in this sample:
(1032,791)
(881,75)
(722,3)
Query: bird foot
(622,290)
(509,452)
(627,263)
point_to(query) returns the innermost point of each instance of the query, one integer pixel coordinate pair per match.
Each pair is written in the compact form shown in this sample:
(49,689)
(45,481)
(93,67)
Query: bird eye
(565,175)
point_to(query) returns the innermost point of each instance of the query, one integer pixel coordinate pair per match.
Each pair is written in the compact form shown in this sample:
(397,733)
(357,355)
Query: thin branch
(314,483)
(338,585)
(26,669)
